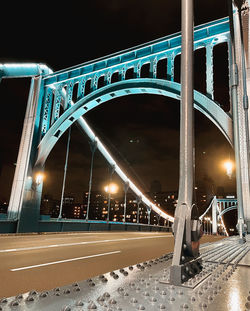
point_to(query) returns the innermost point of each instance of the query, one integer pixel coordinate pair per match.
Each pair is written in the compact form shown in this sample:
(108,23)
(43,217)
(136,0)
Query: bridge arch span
(230,208)
(129,87)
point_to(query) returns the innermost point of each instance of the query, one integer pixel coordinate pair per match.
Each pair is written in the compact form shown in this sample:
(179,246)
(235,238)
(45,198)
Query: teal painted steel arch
(230,208)
(129,87)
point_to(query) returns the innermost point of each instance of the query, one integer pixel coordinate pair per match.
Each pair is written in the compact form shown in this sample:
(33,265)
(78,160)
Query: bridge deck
(223,284)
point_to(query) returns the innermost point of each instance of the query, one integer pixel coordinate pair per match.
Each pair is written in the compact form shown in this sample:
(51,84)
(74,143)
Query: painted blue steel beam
(25,70)
(128,87)
(227,210)
(212,33)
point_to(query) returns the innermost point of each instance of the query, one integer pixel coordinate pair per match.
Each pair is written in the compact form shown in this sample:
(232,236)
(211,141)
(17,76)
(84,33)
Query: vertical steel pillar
(20,176)
(26,195)
(214,215)
(138,209)
(126,186)
(182,223)
(209,71)
(93,146)
(112,169)
(239,108)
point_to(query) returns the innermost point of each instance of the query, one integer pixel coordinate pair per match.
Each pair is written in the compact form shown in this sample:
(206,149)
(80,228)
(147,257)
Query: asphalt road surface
(43,262)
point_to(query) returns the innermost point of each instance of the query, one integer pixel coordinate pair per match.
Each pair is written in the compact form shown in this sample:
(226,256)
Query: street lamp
(39,178)
(228,165)
(111,188)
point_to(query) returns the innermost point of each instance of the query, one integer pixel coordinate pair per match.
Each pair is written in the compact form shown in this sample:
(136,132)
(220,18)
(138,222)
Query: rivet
(133,300)
(30,298)
(141,307)
(203,305)
(171,299)
(66,291)
(43,294)
(248,298)
(163,293)
(32,293)
(162,307)
(112,301)
(66,308)
(19,296)
(247,305)
(185,306)
(130,268)
(146,294)
(106,295)
(14,303)
(79,303)
(75,285)
(4,300)
(210,298)
(193,299)
(153,299)
(91,284)
(120,289)
(92,306)
(104,280)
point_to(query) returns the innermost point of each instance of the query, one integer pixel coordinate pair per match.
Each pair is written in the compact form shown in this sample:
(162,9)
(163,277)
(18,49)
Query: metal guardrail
(53,225)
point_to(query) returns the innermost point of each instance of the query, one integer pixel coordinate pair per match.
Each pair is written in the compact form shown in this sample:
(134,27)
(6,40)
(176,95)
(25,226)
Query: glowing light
(228,165)
(111,188)
(39,178)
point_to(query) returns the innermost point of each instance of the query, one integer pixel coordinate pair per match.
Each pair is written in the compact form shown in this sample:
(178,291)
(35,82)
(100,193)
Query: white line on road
(79,243)
(63,261)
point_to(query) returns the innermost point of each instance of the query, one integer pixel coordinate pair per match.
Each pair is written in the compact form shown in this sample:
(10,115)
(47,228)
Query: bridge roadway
(42,262)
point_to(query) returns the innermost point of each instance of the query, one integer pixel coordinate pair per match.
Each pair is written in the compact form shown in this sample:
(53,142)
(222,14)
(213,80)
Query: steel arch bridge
(51,110)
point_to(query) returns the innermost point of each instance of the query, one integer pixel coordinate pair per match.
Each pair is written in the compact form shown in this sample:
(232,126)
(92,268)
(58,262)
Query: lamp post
(228,165)
(126,186)
(112,169)
(111,188)
(138,209)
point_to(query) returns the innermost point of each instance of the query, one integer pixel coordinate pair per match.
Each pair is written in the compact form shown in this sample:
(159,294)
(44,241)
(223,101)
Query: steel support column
(24,184)
(214,215)
(241,135)
(184,250)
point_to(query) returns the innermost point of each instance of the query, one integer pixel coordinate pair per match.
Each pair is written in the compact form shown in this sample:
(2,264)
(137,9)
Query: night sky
(74,32)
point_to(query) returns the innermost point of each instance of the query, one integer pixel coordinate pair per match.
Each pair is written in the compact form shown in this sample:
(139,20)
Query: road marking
(63,261)
(79,243)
